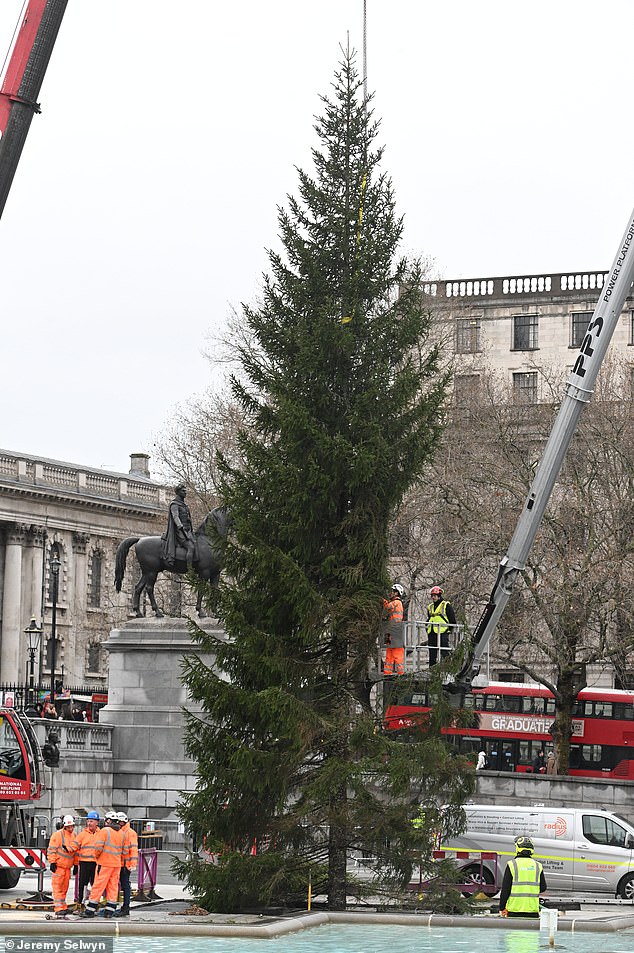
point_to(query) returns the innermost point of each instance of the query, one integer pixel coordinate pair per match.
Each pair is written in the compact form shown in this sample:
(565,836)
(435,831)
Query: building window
(467,335)
(55,553)
(525,388)
(525,332)
(466,389)
(94,594)
(93,657)
(579,321)
(400,538)
(49,654)
(512,675)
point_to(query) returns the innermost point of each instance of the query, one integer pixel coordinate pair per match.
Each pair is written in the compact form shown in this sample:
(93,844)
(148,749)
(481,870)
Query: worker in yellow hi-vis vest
(522,883)
(440,616)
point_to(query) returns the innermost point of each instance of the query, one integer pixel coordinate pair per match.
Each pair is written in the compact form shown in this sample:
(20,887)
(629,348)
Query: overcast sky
(147,190)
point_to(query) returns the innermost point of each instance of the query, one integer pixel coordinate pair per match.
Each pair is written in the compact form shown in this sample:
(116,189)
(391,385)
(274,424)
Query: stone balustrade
(41,473)
(557,284)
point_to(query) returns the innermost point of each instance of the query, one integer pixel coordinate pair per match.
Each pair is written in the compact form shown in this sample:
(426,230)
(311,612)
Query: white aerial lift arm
(578,392)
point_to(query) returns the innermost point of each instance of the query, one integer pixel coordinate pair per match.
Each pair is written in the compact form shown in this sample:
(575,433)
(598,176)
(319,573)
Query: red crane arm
(9,92)
(22,82)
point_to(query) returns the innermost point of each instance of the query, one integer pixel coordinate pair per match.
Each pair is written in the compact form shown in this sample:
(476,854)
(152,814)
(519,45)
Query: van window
(603,830)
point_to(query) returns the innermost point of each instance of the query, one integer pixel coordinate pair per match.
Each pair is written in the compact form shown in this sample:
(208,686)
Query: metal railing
(417,645)
(20,696)
(161,834)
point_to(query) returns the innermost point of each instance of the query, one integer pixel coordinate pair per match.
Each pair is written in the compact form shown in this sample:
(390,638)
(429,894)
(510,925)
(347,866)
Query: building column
(37,537)
(77,602)
(12,622)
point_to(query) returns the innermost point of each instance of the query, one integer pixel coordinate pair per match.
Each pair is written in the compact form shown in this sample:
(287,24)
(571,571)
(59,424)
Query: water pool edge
(306,921)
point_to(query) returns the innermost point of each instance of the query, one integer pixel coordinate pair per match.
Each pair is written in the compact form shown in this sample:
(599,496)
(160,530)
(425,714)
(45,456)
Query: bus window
(525,756)
(492,703)
(603,709)
(508,761)
(550,706)
(527,704)
(591,755)
(511,703)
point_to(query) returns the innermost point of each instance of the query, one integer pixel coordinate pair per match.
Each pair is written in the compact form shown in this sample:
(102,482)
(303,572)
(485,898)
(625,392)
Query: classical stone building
(81,515)
(523,328)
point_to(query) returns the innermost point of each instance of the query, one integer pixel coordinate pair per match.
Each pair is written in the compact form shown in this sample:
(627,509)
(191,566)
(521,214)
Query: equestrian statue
(177,550)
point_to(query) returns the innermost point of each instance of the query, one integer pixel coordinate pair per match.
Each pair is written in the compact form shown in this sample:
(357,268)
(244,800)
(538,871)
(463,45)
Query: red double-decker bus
(514,720)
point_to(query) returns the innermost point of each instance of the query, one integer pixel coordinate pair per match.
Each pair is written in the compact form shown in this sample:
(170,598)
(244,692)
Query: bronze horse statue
(149,553)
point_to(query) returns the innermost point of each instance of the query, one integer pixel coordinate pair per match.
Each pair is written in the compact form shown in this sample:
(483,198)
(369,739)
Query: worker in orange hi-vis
(129,860)
(394,636)
(86,854)
(61,855)
(109,846)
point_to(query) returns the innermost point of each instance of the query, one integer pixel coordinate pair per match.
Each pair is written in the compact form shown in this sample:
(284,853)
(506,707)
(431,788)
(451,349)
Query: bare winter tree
(573,609)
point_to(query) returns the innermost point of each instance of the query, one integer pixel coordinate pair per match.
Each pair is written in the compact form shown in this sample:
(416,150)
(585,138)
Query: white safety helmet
(121,816)
(397,588)
(112,816)
(68,820)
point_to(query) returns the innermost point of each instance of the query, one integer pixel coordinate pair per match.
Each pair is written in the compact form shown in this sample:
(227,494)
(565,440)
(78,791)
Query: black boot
(88,914)
(123,912)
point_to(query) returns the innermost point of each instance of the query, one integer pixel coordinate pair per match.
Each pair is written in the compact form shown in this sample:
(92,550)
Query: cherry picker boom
(22,82)
(578,391)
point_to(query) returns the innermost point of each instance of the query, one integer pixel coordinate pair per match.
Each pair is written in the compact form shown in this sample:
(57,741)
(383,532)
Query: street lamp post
(55,564)
(33,632)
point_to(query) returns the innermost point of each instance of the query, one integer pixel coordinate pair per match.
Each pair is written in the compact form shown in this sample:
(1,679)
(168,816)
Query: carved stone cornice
(80,542)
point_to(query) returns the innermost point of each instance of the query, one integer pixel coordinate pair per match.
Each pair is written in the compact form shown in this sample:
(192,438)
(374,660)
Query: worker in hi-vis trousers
(393,634)
(61,855)
(109,846)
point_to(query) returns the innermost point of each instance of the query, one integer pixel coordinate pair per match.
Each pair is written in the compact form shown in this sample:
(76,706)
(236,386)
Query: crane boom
(22,83)
(577,393)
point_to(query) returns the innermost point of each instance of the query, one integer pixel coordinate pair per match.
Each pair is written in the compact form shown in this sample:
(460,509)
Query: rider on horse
(179,533)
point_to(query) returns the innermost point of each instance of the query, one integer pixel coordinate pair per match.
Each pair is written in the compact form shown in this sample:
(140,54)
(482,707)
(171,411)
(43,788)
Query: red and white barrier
(28,858)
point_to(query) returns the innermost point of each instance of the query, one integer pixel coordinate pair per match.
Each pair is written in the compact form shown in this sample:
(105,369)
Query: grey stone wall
(499,787)
(145,702)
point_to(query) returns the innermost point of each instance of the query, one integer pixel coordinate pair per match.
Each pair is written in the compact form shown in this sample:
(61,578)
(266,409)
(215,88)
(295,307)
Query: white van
(581,850)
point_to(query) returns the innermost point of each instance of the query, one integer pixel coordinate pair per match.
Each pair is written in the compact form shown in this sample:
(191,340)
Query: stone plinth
(145,701)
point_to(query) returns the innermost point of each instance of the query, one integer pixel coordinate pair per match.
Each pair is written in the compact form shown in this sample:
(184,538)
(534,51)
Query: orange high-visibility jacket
(108,847)
(130,853)
(394,609)
(62,848)
(86,844)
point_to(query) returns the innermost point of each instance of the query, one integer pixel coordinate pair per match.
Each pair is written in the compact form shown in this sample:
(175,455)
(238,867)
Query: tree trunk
(337,851)
(562,730)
